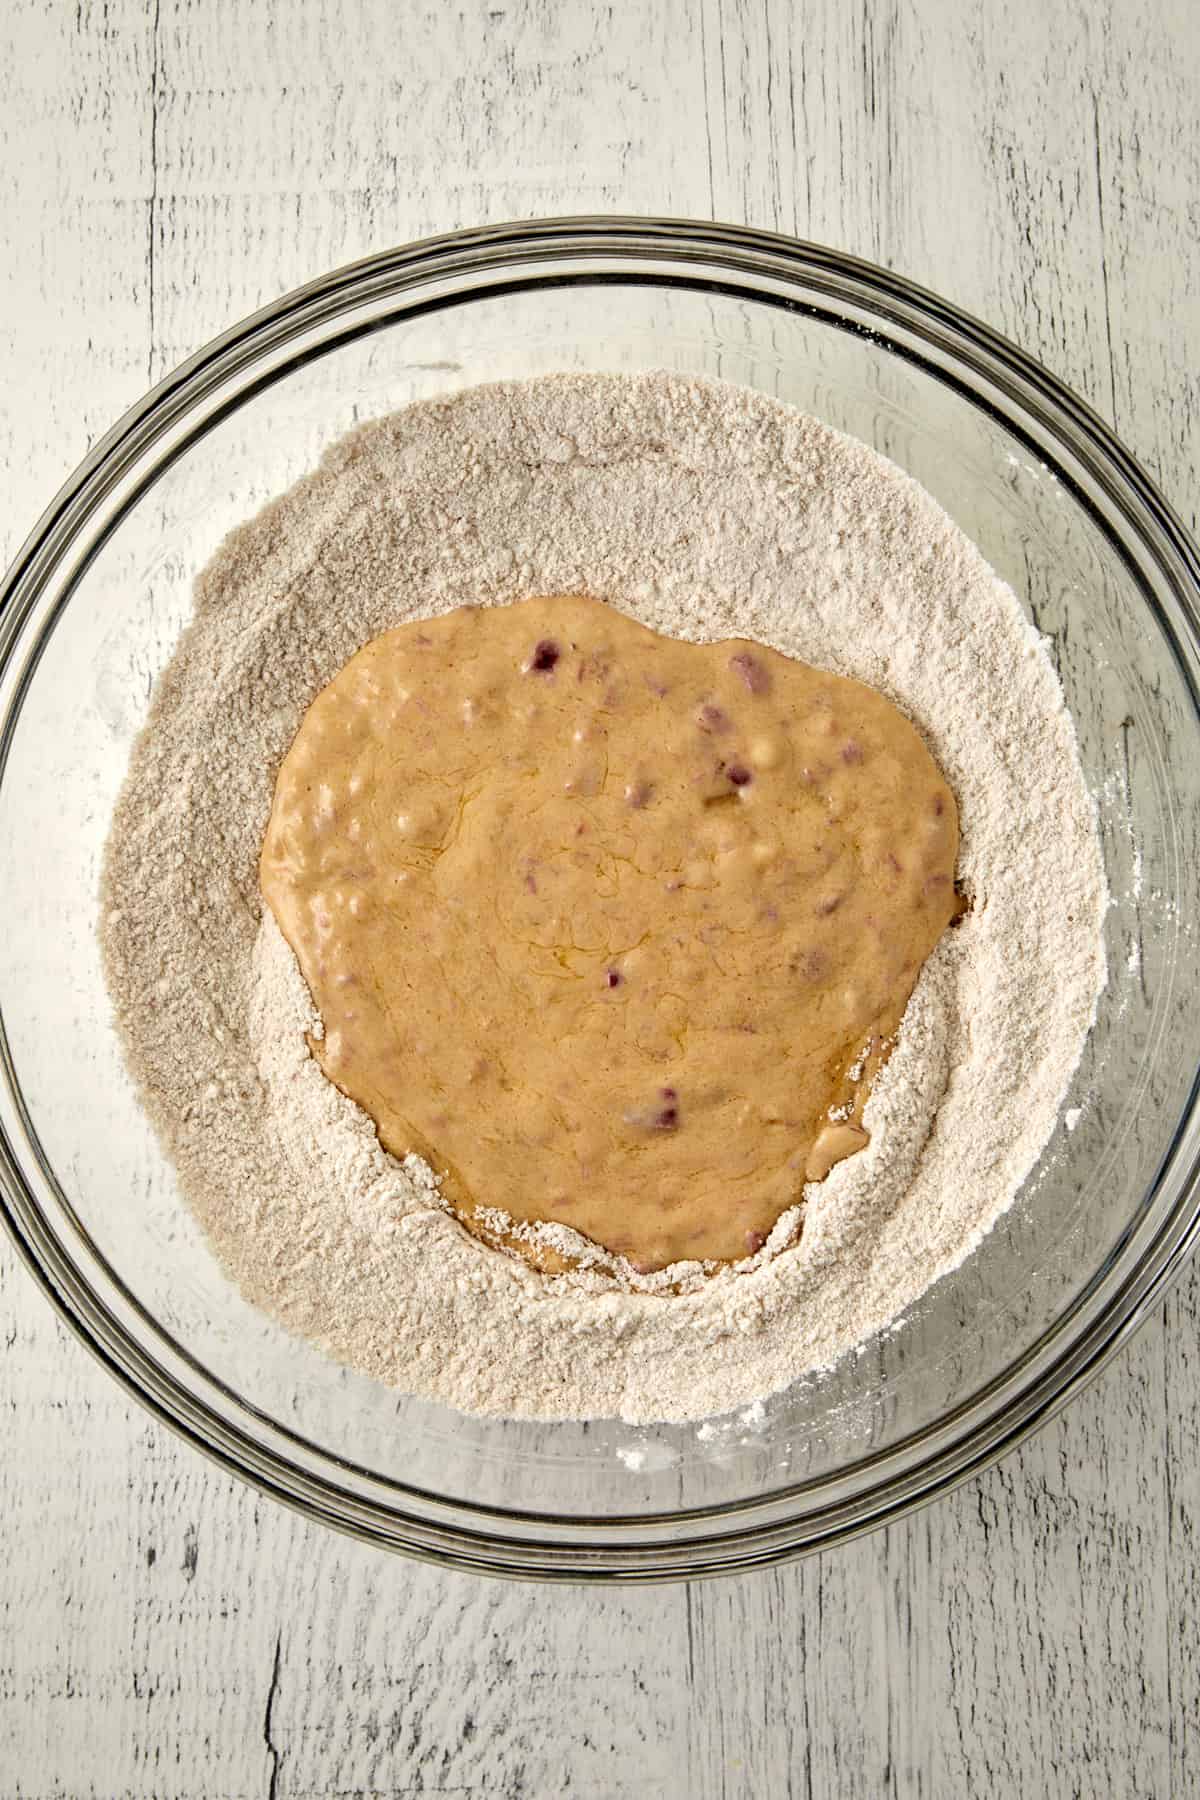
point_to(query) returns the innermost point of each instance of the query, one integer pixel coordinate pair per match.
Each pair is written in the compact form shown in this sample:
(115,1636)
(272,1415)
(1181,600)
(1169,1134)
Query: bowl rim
(763,266)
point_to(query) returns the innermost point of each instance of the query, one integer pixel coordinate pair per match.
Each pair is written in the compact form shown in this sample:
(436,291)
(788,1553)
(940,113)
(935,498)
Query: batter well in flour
(611,929)
(705,513)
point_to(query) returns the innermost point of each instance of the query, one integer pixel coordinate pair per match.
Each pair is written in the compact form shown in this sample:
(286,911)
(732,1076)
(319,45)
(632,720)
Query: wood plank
(162,1631)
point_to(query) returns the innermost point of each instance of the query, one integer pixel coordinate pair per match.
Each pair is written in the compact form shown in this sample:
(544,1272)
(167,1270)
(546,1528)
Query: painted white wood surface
(166,165)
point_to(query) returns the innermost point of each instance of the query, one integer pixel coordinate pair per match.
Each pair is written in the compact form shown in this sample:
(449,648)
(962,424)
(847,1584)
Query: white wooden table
(165,166)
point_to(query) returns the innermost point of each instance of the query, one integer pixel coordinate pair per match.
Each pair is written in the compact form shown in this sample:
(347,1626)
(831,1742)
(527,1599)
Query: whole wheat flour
(705,511)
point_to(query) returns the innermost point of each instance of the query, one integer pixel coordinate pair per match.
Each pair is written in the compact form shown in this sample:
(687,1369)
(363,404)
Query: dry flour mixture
(704,511)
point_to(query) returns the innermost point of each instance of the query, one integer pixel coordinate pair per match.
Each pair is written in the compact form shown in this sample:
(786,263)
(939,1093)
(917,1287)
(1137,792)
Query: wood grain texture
(167,166)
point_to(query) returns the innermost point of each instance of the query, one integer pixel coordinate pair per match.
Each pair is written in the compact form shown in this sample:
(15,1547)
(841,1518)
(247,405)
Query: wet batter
(612,929)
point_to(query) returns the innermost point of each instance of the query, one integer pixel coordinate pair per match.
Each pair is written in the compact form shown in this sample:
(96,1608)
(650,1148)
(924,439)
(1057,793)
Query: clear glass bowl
(91,612)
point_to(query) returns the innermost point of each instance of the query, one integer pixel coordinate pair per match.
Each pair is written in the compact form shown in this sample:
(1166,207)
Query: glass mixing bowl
(92,610)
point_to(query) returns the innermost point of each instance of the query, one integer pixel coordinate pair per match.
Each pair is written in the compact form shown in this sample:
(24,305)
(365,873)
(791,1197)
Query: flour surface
(706,511)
